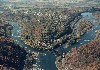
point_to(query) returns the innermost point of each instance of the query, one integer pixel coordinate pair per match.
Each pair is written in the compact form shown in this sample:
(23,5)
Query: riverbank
(46,60)
(53,33)
(71,59)
(44,38)
(12,55)
(82,58)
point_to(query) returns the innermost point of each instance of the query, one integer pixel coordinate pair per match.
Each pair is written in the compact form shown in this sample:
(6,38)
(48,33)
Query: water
(46,60)
(89,35)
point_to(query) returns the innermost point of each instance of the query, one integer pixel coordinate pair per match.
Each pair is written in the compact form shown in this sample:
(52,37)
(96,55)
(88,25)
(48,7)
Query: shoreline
(74,52)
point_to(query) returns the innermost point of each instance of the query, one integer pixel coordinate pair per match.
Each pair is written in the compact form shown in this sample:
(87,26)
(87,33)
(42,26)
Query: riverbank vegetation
(12,56)
(48,28)
(86,57)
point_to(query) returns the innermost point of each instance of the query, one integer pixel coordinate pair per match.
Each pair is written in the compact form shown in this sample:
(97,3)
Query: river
(90,34)
(46,60)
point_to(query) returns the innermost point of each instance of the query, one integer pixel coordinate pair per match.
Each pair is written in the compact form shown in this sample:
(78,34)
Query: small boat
(81,43)
(18,36)
(12,35)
